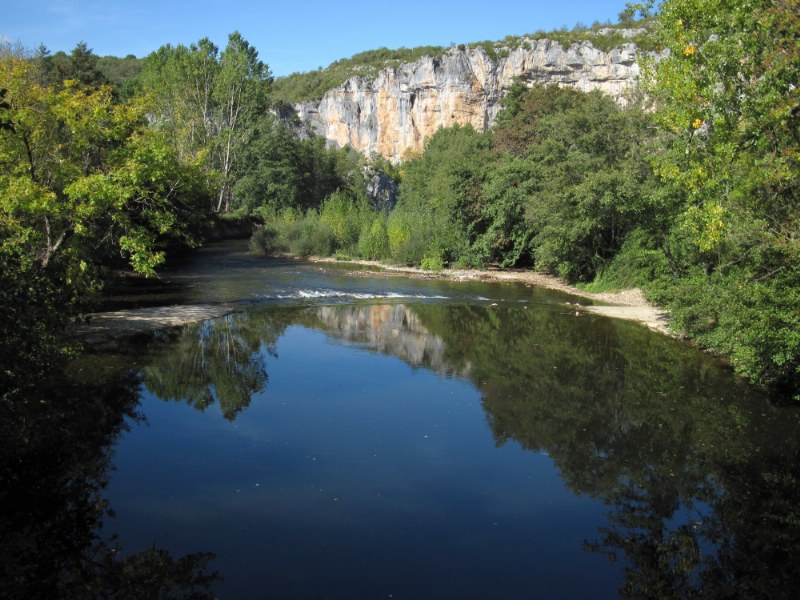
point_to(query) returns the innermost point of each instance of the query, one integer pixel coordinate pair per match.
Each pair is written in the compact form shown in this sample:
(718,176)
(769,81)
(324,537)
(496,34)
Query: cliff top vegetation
(313,85)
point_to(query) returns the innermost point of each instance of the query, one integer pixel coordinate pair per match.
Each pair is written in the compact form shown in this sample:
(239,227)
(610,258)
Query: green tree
(83,66)
(728,106)
(209,102)
(444,184)
(181,82)
(84,178)
(240,93)
(567,182)
(271,164)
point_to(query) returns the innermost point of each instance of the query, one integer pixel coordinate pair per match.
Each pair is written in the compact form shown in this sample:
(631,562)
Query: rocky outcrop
(381,189)
(392,114)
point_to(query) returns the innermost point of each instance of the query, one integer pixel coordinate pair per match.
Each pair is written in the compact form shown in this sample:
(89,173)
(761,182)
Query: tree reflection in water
(699,471)
(55,449)
(219,359)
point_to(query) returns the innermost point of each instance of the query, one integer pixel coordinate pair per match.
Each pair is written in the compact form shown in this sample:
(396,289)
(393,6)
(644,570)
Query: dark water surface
(379,437)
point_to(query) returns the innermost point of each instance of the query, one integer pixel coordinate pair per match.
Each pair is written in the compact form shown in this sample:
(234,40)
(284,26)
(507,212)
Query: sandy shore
(629,304)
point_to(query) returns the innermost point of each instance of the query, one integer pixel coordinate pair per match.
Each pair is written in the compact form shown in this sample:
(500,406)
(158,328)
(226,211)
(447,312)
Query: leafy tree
(279,170)
(208,102)
(122,73)
(728,101)
(181,81)
(83,66)
(271,164)
(445,185)
(239,91)
(82,176)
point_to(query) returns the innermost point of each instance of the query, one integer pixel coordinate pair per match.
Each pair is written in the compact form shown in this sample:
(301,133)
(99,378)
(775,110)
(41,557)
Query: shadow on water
(56,442)
(699,473)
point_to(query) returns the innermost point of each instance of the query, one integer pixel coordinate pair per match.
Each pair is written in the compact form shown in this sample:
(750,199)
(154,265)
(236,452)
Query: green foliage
(84,66)
(208,102)
(606,41)
(279,170)
(31,316)
(346,218)
(409,232)
(727,103)
(86,180)
(639,262)
(443,188)
(433,260)
(590,194)
(265,241)
(121,72)
(373,244)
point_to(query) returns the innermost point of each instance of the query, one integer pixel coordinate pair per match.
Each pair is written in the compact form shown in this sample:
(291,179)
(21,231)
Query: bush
(433,260)
(265,241)
(638,263)
(755,323)
(305,235)
(373,243)
(345,217)
(408,235)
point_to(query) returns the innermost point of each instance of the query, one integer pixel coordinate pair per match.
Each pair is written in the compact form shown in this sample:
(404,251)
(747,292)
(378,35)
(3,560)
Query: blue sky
(289,35)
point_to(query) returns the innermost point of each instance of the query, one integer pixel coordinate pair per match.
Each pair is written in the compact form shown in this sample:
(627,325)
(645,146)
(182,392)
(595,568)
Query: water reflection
(221,359)
(55,456)
(393,329)
(698,470)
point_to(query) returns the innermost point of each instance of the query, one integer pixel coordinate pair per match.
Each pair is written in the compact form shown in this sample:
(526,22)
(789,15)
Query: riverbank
(630,305)
(137,305)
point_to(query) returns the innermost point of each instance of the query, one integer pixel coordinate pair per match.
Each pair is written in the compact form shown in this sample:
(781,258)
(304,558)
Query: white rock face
(394,113)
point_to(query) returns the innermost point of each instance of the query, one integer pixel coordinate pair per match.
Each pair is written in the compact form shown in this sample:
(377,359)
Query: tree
(83,178)
(444,185)
(729,107)
(83,66)
(239,91)
(181,80)
(208,102)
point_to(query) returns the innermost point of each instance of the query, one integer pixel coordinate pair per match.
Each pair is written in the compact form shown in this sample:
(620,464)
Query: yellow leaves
(667,170)
(21,195)
(697,123)
(93,195)
(707,224)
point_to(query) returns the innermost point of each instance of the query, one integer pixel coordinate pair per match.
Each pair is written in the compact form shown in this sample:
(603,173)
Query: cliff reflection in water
(700,473)
(392,329)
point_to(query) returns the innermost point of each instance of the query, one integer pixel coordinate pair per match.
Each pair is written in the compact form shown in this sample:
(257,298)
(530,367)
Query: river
(352,436)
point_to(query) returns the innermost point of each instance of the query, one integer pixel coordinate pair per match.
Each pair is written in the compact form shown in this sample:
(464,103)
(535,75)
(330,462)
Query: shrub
(433,260)
(265,241)
(373,243)
(345,217)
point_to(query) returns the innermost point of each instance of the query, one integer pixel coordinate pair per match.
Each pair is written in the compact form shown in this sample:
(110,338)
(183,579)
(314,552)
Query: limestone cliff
(394,113)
